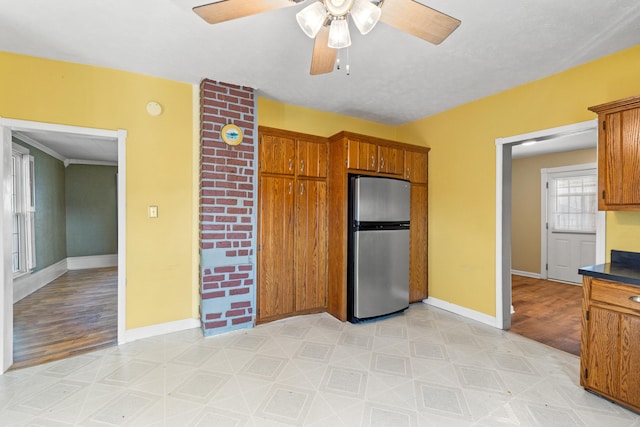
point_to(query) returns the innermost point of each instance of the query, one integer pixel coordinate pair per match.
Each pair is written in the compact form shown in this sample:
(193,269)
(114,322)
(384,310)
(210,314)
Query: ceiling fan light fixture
(339,36)
(365,15)
(312,18)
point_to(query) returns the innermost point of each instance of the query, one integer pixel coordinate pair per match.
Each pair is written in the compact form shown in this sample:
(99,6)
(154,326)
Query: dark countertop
(624,267)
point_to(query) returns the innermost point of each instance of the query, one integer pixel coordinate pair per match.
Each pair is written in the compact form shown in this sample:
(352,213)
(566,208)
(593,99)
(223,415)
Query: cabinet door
(311,158)
(276,154)
(630,359)
(416,166)
(311,244)
(275,255)
(603,352)
(418,244)
(362,155)
(621,163)
(391,160)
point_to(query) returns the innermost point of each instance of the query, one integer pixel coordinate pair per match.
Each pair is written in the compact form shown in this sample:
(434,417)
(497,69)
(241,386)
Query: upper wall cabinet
(416,166)
(311,158)
(366,154)
(277,154)
(619,154)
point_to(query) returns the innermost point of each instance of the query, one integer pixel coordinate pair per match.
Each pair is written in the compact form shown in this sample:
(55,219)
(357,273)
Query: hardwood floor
(548,312)
(76,313)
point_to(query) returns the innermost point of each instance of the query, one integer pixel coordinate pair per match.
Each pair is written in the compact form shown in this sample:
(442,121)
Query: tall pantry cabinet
(292,230)
(415,171)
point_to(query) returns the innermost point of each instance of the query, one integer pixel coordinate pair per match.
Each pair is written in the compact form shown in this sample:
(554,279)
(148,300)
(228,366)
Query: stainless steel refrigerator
(378,274)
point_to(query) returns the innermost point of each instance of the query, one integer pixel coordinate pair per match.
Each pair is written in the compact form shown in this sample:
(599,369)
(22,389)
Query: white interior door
(571,223)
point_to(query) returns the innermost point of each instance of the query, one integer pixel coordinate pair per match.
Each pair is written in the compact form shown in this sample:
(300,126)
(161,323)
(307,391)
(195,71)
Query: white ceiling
(395,77)
(561,143)
(73,148)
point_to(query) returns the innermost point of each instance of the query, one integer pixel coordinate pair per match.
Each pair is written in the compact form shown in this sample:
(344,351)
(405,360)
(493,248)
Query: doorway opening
(504,154)
(109,140)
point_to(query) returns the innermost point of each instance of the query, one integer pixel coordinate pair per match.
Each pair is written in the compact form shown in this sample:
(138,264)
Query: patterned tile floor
(426,367)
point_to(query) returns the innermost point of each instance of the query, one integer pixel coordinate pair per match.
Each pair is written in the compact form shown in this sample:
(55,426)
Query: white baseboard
(526,274)
(462,311)
(95,261)
(29,283)
(160,329)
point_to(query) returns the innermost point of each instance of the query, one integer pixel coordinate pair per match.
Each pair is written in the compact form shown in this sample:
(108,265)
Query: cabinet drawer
(615,294)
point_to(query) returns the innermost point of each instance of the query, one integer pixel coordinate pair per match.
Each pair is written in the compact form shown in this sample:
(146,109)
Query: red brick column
(227,214)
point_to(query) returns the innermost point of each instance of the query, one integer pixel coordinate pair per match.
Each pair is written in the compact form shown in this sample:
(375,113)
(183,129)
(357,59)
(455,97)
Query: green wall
(76,209)
(50,216)
(91,201)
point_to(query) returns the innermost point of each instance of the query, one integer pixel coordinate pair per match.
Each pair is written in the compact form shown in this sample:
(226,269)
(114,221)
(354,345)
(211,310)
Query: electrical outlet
(153,212)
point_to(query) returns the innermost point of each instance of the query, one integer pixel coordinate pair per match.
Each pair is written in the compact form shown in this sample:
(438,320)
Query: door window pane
(574,203)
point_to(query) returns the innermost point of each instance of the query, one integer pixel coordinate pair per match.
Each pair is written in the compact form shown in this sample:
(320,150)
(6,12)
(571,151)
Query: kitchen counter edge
(616,272)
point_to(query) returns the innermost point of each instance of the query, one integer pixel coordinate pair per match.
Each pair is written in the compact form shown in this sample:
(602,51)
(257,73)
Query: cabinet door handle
(373,161)
(635,298)
(301,165)
(382,163)
(290,188)
(408,172)
(301,188)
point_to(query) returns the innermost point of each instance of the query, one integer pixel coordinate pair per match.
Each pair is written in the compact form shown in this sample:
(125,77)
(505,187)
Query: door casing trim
(503,210)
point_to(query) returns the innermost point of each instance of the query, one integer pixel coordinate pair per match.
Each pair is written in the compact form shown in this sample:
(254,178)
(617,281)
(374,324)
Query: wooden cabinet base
(610,349)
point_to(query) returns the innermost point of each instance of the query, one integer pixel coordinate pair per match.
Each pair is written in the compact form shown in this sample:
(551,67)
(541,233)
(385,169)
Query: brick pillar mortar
(227,208)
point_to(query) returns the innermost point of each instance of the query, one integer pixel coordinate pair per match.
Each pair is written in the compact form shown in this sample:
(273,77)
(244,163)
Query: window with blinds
(574,203)
(23,211)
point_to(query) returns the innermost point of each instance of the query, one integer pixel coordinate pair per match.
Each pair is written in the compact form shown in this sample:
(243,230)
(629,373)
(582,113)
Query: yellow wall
(162,280)
(160,277)
(462,187)
(299,119)
(526,205)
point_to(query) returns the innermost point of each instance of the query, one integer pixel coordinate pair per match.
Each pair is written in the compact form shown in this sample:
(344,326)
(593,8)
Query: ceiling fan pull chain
(348,67)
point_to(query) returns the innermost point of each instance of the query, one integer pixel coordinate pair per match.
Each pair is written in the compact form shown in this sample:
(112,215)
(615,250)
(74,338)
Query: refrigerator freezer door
(381,272)
(381,199)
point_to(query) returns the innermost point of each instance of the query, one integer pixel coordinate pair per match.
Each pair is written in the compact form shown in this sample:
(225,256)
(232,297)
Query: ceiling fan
(326,21)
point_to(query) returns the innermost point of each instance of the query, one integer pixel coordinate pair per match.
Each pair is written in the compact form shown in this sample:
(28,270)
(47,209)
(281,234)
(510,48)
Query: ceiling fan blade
(418,20)
(226,10)
(324,57)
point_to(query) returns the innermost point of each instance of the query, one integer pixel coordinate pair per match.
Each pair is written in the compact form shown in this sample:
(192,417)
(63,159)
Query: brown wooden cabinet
(361,154)
(311,158)
(610,346)
(311,244)
(356,151)
(418,243)
(276,247)
(276,153)
(374,155)
(390,160)
(619,154)
(416,166)
(292,224)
